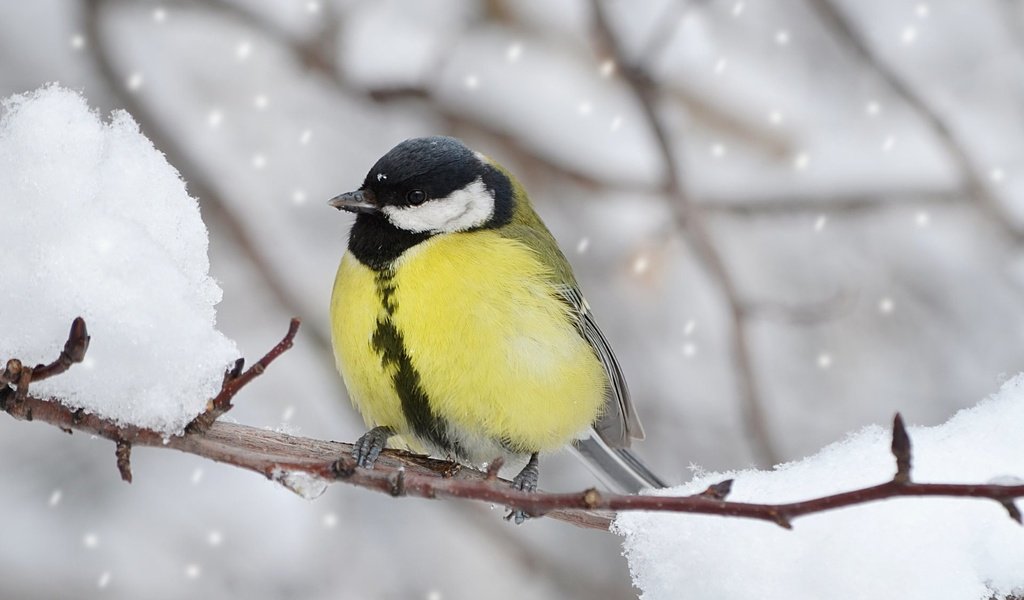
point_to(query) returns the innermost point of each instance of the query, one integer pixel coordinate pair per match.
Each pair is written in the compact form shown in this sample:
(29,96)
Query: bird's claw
(525,481)
(368,447)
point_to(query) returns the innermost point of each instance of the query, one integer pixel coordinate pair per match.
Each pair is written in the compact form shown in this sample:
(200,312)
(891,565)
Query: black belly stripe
(386,290)
(389,345)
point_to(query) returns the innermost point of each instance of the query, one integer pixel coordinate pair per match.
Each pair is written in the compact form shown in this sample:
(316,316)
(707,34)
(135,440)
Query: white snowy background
(868,207)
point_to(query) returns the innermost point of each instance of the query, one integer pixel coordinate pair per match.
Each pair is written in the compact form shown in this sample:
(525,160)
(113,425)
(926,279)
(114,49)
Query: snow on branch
(306,465)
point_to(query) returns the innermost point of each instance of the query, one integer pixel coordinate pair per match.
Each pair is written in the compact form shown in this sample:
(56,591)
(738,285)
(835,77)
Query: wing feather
(618,424)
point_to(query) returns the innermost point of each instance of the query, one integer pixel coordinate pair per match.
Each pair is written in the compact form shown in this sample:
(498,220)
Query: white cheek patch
(470,207)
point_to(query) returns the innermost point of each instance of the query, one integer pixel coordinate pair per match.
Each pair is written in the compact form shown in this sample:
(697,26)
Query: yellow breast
(494,348)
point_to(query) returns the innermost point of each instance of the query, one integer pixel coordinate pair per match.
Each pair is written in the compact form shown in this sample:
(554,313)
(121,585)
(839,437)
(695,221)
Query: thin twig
(901,450)
(235,380)
(123,452)
(689,219)
(73,352)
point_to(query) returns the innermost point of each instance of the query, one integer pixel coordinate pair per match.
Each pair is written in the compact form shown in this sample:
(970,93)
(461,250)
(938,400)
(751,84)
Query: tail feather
(616,467)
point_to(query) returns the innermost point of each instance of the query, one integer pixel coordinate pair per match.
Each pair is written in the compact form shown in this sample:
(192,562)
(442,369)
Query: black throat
(376,243)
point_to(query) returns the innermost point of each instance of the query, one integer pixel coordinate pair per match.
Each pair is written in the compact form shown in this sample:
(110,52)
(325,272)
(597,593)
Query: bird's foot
(525,481)
(368,447)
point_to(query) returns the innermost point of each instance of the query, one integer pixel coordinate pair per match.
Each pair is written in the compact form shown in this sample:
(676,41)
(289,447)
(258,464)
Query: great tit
(458,326)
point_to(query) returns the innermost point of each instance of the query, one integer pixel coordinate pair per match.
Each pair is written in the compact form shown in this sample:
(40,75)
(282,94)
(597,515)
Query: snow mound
(907,548)
(98,224)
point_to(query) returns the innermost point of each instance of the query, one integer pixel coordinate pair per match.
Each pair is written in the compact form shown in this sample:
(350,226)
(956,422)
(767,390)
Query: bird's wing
(618,468)
(618,423)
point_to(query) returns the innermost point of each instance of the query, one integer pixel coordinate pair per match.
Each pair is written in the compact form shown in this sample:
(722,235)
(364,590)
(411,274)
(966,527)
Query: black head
(425,187)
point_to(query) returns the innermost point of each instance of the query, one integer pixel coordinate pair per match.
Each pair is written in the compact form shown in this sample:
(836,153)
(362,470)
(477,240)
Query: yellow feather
(355,308)
(496,349)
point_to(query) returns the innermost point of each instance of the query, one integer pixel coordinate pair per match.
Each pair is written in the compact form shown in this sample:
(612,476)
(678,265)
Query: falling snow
(909,35)
(243,50)
(640,265)
(214,118)
(514,51)
(800,161)
(134,81)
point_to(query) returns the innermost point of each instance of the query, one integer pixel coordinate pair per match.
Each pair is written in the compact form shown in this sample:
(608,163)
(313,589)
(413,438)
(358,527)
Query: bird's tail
(616,467)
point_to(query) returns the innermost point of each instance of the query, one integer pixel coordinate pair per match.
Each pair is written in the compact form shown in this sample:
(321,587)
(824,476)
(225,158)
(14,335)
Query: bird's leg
(525,481)
(367,448)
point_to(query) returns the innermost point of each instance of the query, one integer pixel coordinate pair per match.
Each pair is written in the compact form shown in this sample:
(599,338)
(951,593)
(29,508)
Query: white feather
(463,209)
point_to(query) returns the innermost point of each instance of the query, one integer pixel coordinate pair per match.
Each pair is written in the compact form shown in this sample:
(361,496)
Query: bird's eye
(416,197)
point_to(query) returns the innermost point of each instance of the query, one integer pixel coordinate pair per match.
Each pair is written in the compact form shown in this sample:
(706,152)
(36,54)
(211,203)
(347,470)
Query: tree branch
(838,203)
(283,457)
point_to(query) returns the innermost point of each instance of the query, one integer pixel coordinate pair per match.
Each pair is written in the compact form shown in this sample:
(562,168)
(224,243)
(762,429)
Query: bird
(460,330)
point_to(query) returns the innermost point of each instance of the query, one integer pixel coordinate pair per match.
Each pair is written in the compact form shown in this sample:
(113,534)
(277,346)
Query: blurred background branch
(974,185)
(690,221)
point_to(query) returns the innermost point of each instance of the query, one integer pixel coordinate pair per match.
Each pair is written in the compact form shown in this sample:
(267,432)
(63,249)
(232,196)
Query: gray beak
(359,201)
